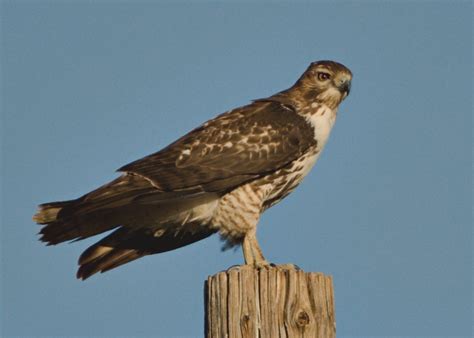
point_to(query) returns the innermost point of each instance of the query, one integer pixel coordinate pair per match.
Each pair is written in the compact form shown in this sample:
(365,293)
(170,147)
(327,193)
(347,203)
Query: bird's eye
(322,76)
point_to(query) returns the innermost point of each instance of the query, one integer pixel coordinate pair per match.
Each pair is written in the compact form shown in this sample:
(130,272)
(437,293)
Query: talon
(234,267)
(288,266)
(262,265)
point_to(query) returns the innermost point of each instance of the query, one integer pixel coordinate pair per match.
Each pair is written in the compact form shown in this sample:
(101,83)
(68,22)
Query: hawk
(218,178)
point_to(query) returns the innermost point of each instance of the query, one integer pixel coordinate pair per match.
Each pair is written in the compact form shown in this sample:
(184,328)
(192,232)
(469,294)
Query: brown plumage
(218,178)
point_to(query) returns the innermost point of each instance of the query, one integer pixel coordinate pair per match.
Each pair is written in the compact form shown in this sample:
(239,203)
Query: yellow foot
(262,265)
(266,265)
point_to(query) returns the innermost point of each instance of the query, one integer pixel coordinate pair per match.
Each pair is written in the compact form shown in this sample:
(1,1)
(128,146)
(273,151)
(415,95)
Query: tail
(125,245)
(62,222)
(98,211)
(56,231)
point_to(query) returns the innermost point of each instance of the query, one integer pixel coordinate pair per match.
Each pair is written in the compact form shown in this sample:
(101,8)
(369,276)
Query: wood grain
(245,302)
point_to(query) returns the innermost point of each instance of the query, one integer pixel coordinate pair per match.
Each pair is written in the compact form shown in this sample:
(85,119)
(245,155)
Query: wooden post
(244,302)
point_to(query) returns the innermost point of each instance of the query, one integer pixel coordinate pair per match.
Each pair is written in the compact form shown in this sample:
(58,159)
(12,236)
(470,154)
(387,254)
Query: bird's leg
(252,252)
(247,250)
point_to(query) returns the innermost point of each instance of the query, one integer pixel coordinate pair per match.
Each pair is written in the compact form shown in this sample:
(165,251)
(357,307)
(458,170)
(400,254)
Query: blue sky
(89,86)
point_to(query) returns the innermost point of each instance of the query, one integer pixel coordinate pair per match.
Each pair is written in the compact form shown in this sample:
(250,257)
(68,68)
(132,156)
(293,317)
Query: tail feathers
(92,213)
(49,212)
(62,224)
(125,245)
(59,232)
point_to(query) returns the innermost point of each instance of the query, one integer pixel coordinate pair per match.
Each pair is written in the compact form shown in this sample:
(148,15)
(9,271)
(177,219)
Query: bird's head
(327,82)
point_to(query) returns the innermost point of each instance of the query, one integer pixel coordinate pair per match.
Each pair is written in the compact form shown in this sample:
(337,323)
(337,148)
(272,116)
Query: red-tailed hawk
(220,177)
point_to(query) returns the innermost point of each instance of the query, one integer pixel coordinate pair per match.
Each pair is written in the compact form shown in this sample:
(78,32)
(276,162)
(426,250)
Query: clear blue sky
(89,86)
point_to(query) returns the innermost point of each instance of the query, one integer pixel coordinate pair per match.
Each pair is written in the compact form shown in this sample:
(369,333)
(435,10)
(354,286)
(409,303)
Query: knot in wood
(245,320)
(302,319)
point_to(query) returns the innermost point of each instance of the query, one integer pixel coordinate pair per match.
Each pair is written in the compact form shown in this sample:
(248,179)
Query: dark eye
(322,76)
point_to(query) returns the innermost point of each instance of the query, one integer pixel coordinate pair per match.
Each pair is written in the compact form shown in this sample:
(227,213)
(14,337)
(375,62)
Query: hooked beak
(345,87)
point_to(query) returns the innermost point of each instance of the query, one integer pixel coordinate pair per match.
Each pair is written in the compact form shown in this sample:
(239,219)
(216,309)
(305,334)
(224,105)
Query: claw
(262,265)
(287,266)
(234,267)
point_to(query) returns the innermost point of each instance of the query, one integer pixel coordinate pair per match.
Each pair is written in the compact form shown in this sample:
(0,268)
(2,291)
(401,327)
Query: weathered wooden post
(244,302)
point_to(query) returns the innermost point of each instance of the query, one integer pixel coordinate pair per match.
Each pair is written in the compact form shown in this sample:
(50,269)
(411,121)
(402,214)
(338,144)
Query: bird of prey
(218,178)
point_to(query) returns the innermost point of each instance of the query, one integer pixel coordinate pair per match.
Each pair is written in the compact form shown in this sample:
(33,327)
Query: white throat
(322,118)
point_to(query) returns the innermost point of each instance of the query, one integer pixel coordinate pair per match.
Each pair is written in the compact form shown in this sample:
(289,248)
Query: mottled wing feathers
(233,148)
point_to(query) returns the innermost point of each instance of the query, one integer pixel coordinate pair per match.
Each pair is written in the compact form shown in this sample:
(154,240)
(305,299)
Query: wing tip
(101,258)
